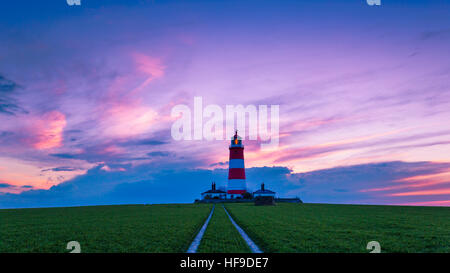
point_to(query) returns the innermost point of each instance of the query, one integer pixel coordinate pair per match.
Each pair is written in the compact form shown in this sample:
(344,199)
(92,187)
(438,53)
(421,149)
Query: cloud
(356,183)
(149,65)
(7,188)
(7,85)
(128,120)
(147,184)
(374,141)
(65,155)
(144,142)
(219,164)
(442,33)
(7,137)
(8,104)
(62,169)
(10,107)
(160,153)
(107,168)
(47,131)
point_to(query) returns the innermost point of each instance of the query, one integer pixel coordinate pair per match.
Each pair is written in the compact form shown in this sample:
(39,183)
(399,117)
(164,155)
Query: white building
(263,192)
(213,193)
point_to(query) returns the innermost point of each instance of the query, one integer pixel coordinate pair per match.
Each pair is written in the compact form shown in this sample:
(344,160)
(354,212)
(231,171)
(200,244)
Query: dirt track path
(253,247)
(196,242)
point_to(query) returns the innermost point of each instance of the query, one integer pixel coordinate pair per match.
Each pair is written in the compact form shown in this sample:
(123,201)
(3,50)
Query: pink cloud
(109,169)
(47,130)
(424,192)
(442,203)
(148,65)
(128,120)
(124,112)
(417,181)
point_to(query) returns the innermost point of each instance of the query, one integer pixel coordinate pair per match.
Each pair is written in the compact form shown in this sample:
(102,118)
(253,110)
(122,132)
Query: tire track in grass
(253,247)
(222,237)
(194,245)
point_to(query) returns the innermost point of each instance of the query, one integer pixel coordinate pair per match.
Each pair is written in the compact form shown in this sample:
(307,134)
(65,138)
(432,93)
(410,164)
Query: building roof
(213,191)
(264,191)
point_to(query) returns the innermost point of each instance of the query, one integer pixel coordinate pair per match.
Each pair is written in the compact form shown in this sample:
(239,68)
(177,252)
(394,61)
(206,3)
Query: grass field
(344,228)
(221,236)
(133,228)
(280,228)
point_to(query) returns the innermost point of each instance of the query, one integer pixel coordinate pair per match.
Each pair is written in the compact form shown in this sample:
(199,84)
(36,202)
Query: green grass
(344,228)
(131,228)
(280,228)
(221,236)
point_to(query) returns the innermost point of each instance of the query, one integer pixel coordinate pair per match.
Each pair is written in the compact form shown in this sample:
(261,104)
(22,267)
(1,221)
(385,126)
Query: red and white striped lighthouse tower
(236,172)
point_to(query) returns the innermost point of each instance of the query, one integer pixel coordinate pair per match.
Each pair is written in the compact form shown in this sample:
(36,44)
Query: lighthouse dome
(236,141)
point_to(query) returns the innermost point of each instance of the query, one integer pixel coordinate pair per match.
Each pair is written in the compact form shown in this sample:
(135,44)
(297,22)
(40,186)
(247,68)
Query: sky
(86,94)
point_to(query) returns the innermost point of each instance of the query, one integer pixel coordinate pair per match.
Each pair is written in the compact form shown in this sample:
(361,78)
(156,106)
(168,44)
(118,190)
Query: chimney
(262,186)
(213,186)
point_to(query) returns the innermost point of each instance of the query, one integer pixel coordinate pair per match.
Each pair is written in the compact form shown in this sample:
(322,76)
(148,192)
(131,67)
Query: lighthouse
(236,172)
